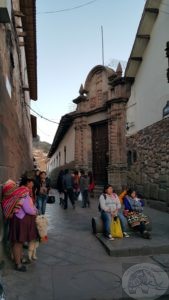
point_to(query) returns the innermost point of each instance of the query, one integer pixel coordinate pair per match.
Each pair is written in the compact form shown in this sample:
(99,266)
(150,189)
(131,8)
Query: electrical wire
(68,9)
(45,132)
(42,117)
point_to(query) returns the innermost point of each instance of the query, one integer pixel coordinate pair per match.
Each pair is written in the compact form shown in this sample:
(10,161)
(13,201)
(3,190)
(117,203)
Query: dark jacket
(39,184)
(67,181)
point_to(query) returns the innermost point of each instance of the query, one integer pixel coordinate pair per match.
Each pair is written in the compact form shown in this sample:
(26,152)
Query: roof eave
(142,38)
(28,8)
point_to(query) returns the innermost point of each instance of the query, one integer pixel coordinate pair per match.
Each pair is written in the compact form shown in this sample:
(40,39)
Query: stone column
(82,143)
(117,167)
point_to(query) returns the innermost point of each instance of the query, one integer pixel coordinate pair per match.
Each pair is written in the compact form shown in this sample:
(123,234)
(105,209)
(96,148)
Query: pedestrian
(32,245)
(68,189)
(42,192)
(60,187)
(84,189)
(17,206)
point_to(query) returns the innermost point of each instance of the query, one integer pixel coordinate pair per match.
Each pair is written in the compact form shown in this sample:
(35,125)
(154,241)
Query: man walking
(68,189)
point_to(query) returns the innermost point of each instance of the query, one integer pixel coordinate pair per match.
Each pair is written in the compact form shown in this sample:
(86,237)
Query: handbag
(115,228)
(51,199)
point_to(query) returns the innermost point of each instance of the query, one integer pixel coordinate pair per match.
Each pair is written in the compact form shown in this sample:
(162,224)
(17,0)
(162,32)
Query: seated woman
(109,205)
(133,211)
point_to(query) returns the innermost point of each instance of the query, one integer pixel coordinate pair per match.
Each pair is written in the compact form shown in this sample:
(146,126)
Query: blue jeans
(41,203)
(123,221)
(107,219)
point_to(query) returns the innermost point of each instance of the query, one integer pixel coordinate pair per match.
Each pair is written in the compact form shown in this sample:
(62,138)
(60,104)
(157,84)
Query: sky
(69,46)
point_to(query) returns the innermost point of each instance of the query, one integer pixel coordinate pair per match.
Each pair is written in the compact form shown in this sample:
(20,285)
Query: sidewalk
(73,265)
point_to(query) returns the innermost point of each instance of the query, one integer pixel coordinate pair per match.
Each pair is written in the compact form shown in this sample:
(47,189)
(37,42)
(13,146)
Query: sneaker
(125,234)
(109,237)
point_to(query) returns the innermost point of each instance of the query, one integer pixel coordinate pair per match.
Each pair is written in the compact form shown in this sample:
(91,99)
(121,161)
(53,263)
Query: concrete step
(135,245)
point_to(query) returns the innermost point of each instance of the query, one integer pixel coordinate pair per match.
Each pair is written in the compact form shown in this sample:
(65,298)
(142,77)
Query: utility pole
(102,45)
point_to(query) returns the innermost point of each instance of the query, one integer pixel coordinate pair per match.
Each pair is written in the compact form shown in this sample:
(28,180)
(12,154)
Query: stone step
(135,245)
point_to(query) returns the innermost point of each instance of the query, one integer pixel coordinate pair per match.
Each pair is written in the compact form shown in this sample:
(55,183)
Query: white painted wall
(150,90)
(58,160)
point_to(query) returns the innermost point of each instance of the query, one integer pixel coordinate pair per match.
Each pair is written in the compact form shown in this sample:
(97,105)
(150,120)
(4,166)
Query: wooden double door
(100,152)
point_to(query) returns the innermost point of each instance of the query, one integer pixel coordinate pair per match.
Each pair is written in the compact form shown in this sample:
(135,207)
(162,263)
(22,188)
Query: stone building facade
(93,136)
(148,163)
(18,86)
(148,104)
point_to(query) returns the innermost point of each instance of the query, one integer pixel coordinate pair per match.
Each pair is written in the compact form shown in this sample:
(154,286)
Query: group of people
(21,203)
(110,206)
(73,185)
(126,207)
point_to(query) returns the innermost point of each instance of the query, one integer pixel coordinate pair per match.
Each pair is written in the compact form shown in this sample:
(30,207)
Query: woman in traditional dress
(133,210)
(18,207)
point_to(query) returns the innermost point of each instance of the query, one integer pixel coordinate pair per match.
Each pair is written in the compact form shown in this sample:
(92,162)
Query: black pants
(85,198)
(69,193)
(141,228)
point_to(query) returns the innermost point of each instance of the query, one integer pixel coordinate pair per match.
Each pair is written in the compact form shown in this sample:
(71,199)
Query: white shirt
(111,203)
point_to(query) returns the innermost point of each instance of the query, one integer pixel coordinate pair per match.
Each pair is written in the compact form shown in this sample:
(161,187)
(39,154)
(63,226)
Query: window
(59,159)
(64,154)
(129,159)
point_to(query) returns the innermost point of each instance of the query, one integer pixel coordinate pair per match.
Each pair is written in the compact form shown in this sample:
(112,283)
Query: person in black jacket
(60,187)
(68,189)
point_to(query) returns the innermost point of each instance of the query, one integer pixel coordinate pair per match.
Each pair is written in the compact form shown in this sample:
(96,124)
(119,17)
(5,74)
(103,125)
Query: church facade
(93,137)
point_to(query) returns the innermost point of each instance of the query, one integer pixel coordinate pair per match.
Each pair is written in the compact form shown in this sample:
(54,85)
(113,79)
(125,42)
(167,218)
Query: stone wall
(148,163)
(15,125)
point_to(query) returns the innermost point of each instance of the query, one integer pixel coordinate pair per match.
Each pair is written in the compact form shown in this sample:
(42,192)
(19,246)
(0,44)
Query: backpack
(99,208)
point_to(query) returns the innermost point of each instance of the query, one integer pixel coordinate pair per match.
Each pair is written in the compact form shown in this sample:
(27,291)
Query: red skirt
(23,230)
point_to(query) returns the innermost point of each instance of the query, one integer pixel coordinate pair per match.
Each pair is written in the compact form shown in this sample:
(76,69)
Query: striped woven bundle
(12,198)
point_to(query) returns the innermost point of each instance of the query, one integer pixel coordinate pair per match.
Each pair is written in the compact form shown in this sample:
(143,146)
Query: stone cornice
(117,100)
(80,99)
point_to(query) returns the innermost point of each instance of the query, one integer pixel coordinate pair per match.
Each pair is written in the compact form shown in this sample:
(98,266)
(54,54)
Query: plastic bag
(115,229)
(79,197)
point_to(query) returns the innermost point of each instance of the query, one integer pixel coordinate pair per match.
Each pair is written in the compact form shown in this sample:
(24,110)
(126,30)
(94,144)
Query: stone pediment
(96,90)
(97,87)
